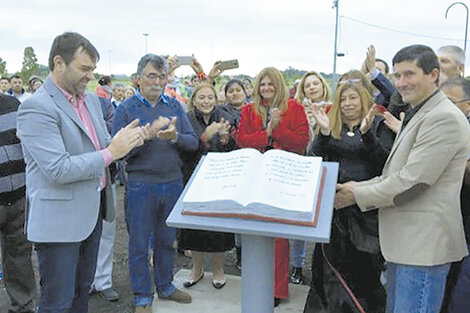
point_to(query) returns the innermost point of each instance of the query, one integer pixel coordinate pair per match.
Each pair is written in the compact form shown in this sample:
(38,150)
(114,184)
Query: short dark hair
(15,76)
(104,80)
(458,82)
(234,81)
(67,44)
(425,57)
(387,68)
(4,77)
(156,61)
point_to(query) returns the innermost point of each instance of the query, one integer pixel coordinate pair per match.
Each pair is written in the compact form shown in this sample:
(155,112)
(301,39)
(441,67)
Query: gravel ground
(121,271)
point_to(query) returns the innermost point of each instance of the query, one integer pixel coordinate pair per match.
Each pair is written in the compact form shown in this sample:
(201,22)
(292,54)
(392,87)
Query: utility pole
(466,28)
(146,36)
(333,83)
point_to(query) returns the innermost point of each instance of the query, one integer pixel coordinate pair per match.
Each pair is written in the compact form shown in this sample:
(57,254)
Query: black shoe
(219,284)
(189,283)
(295,276)
(277,301)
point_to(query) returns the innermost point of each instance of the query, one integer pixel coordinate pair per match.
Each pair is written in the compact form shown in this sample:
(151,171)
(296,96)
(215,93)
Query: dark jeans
(457,296)
(18,271)
(148,206)
(67,271)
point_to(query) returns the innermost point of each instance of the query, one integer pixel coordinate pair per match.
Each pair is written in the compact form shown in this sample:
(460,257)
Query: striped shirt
(12,166)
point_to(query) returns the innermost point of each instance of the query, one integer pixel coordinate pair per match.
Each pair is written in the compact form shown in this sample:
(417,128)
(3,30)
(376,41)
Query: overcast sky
(259,33)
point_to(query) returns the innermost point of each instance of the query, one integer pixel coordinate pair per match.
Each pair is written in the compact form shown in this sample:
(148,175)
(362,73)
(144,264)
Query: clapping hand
(126,139)
(368,120)
(322,119)
(151,130)
(169,133)
(308,111)
(392,122)
(224,131)
(211,130)
(275,116)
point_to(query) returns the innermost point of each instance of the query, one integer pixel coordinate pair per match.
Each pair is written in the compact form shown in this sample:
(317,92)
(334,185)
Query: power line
(396,30)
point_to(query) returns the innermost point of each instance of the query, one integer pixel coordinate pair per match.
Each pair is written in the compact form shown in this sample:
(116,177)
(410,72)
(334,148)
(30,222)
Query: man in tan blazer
(418,193)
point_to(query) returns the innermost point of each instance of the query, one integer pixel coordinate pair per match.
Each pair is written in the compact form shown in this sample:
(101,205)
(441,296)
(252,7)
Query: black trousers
(18,271)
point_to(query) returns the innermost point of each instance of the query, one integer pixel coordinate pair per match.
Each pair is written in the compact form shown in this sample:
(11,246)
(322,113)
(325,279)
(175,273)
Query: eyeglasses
(153,76)
(349,81)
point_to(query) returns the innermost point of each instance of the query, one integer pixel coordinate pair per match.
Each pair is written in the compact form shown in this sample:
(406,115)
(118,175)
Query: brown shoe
(178,296)
(143,309)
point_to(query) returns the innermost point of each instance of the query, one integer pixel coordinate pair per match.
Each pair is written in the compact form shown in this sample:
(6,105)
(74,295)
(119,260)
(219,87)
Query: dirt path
(121,271)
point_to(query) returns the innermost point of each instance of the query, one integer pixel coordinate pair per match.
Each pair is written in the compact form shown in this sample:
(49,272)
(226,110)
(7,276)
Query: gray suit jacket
(418,193)
(63,167)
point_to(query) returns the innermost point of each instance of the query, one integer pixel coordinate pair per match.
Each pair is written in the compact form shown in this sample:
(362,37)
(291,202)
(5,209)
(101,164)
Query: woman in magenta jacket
(274,122)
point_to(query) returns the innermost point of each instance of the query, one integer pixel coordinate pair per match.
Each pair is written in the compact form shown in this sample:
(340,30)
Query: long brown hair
(335,115)
(280,98)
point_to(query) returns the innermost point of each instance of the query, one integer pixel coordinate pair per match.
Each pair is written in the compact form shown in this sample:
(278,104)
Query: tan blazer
(418,193)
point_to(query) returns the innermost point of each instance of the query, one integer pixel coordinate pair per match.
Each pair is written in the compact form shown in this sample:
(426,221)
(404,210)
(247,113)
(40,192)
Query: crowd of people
(400,229)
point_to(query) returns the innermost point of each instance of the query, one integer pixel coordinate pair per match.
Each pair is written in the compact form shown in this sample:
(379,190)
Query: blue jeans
(67,271)
(148,206)
(298,252)
(416,289)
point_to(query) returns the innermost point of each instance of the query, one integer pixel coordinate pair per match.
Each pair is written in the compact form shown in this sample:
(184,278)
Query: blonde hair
(300,95)
(335,115)
(280,97)
(198,87)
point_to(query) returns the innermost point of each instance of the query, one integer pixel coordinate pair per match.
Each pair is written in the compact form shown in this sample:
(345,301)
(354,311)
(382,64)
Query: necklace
(350,134)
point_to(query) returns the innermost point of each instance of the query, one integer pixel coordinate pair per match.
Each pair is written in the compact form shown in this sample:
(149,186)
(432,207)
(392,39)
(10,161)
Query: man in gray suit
(67,150)
(418,194)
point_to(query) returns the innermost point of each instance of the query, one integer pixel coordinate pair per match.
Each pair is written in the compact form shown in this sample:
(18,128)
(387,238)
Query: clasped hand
(344,196)
(275,116)
(222,128)
(162,128)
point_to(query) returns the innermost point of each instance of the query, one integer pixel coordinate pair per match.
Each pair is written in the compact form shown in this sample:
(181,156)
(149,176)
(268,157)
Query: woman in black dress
(352,135)
(212,125)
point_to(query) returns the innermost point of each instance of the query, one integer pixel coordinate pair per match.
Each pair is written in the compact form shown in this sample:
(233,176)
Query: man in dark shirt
(457,294)
(154,180)
(16,250)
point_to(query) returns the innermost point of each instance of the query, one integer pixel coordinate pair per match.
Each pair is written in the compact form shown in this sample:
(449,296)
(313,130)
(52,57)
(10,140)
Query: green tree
(3,67)
(42,71)
(30,65)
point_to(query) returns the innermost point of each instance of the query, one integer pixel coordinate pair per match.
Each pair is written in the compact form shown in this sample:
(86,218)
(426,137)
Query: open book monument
(276,186)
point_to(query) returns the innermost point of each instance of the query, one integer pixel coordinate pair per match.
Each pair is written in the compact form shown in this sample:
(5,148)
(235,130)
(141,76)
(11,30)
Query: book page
(287,180)
(224,176)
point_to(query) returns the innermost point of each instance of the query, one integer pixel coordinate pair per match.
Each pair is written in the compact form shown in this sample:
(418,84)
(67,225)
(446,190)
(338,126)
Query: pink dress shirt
(84,116)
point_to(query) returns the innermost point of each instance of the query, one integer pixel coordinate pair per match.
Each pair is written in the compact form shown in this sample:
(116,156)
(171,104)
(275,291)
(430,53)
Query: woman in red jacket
(274,122)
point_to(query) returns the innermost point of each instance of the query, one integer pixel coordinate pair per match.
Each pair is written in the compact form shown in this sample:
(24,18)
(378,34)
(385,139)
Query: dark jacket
(195,117)
(385,87)
(360,157)
(12,166)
